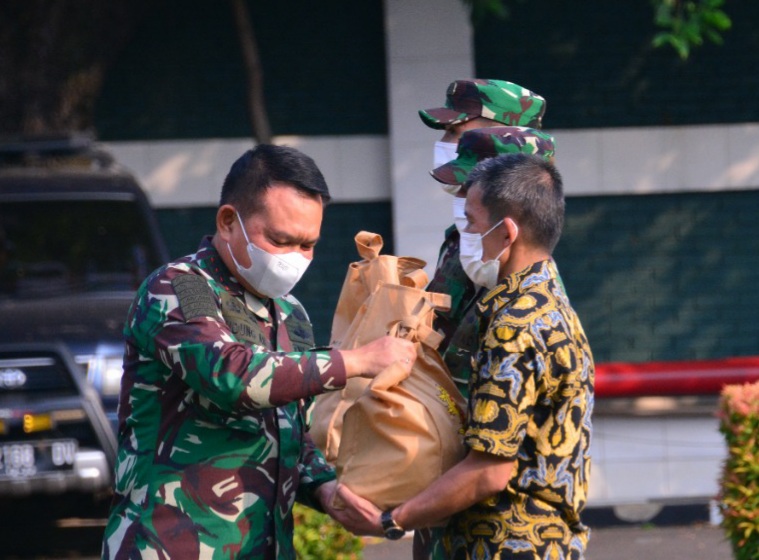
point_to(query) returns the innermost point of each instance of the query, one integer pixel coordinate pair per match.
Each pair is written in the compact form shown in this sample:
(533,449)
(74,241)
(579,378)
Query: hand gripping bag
(406,428)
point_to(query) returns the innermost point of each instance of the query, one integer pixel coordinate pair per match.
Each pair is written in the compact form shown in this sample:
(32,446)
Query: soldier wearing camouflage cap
(497,100)
(480,103)
(219,367)
(478,144)
(459,324)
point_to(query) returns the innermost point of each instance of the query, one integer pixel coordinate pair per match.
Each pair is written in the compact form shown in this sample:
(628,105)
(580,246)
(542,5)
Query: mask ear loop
(244,233)
(511,241)
(514,226)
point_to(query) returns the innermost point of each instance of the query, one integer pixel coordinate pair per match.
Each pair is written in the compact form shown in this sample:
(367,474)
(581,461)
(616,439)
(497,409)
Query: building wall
(173,111)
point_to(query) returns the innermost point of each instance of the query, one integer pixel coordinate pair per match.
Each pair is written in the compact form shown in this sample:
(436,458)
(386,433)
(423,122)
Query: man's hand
(372,358)
(359,516)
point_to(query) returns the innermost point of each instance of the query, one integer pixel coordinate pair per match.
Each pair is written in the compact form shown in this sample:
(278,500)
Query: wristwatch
(392,530)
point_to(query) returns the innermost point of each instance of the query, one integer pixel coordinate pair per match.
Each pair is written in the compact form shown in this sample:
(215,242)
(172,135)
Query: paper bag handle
(415,279)
(368,244)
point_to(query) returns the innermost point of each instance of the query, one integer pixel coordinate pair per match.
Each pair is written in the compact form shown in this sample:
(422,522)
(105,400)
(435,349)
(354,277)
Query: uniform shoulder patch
(196,298)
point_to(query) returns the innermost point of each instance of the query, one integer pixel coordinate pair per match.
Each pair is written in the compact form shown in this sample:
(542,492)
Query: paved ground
(697,541)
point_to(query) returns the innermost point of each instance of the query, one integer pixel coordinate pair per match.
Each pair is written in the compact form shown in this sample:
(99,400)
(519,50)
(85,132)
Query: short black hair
(527,189)
(257,169)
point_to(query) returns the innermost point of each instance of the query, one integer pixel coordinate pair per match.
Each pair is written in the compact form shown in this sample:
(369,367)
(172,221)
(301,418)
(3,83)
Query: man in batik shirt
(469,104)
(218,366)
(520,490)
(460,323)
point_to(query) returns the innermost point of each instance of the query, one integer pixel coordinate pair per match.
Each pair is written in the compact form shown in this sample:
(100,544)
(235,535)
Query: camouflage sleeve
(314,471)
(194,342)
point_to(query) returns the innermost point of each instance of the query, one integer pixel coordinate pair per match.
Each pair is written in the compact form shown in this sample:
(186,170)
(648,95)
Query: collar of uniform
(210,261)
(451,231)
(257,306)
(515,284)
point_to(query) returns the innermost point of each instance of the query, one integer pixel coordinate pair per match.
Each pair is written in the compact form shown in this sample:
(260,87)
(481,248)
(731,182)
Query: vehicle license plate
(22,460)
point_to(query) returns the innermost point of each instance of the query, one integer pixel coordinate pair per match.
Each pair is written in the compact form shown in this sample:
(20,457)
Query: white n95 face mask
(470,253)
(459,217)
(270,275)
(444,152)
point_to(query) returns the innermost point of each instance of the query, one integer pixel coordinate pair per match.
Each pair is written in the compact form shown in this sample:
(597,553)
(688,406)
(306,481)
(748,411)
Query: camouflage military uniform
(458,325)
(531,398)
(212,444)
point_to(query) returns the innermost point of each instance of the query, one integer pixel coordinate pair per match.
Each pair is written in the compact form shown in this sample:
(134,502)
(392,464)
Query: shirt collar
(210,261)
(516,284)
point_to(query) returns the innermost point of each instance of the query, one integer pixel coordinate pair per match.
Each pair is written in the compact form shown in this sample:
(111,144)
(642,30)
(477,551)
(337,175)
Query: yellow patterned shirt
(531,398)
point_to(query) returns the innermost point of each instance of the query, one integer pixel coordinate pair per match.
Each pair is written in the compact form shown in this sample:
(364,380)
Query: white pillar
(428,45)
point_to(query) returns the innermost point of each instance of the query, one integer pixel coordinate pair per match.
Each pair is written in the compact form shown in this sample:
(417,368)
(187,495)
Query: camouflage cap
(483,143)
(498,100)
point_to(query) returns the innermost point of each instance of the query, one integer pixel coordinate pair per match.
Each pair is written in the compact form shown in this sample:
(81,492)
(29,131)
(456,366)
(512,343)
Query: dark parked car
(77,236)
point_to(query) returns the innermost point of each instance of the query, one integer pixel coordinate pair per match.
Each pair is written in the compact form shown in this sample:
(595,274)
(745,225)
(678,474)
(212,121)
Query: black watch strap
(392,530)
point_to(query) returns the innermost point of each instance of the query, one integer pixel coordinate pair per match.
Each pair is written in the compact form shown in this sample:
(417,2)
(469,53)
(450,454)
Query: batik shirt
(531,398)
(212,443)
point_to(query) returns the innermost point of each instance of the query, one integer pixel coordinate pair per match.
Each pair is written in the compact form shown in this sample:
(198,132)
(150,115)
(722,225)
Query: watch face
(390,527)
(394,533)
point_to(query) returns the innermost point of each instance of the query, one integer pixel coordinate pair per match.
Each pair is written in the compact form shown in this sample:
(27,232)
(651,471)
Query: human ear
(512,229)
(226,216)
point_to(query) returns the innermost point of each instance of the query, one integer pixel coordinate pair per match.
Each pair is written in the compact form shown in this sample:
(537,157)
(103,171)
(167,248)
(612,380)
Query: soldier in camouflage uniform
(218,368)
(471,104)
(523,484)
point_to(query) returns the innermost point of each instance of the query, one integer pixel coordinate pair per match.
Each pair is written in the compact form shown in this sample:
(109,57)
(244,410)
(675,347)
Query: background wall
(344,84)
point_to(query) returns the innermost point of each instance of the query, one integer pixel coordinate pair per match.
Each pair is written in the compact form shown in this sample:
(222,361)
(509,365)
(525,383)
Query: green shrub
(318,537)
(739,423)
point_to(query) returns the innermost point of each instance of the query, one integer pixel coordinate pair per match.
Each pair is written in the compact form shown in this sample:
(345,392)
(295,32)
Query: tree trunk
(259,119)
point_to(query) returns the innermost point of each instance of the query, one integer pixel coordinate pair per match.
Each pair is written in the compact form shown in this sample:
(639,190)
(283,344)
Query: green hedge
(318,537)
(739,423)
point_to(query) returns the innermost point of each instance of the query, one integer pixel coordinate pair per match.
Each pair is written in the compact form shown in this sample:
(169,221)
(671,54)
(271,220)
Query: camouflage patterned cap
(501,101)
(483,143)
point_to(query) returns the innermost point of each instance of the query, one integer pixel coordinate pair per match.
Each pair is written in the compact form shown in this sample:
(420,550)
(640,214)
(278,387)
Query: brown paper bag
(364,276)
(384,307)
(406,428)
(365,311)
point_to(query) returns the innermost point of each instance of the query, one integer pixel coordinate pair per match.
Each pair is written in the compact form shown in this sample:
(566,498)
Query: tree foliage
(684,24)
(53,56)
